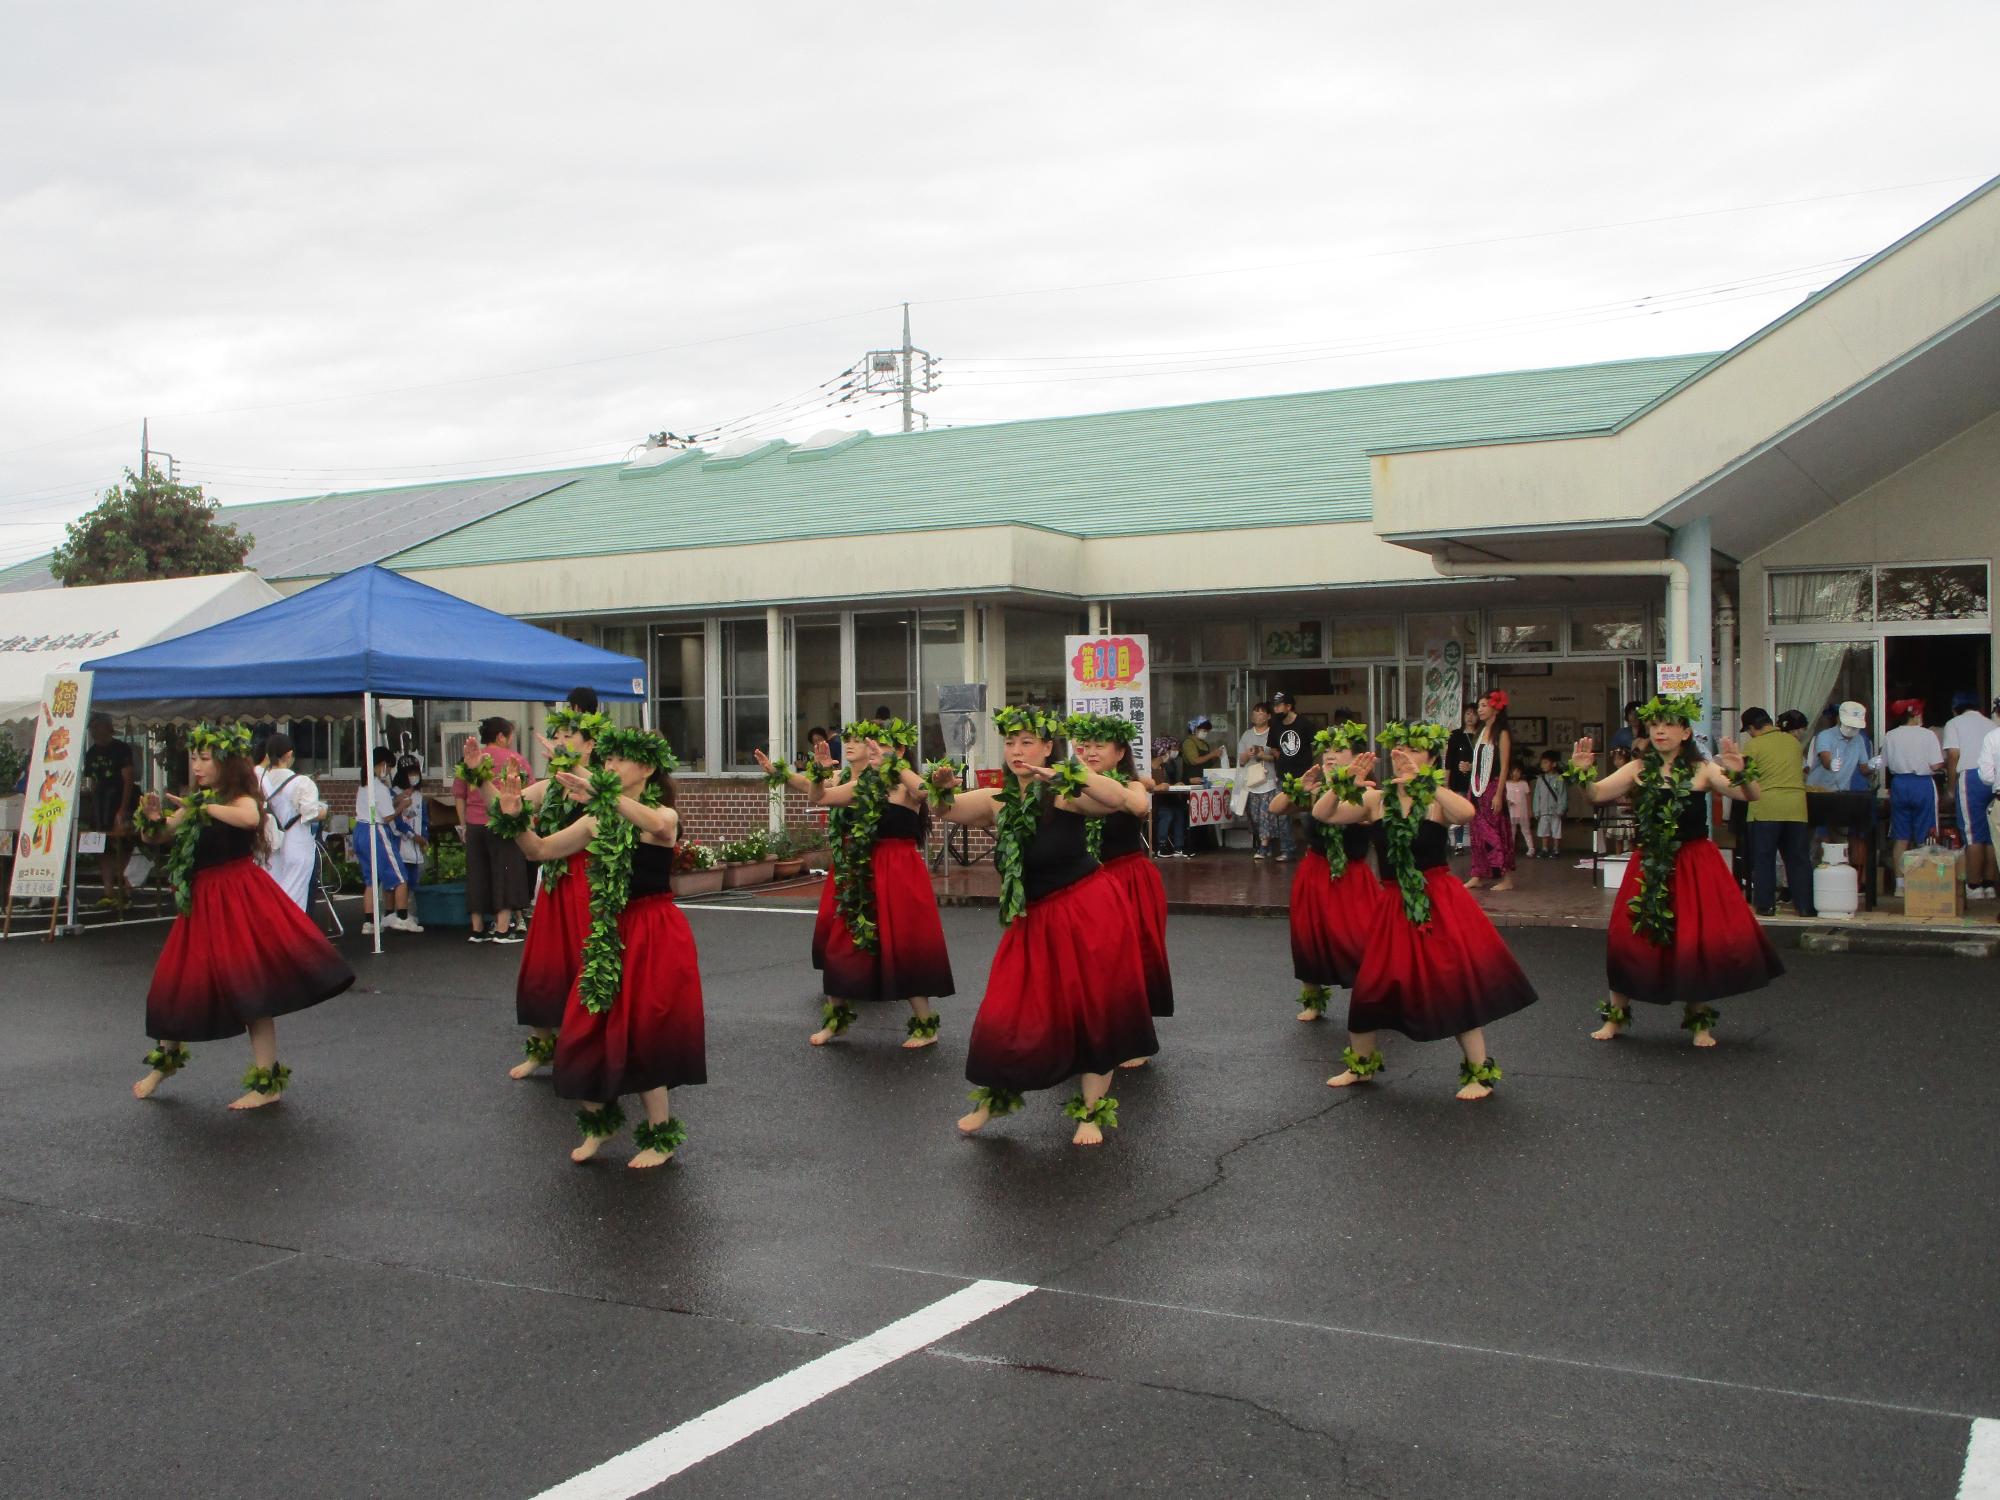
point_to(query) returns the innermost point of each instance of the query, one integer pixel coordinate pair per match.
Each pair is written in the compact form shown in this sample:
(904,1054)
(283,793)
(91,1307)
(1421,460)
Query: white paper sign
(55,780)
(1208,807)
(90,843)
(1112,674)
(1679,678)
(1444,683)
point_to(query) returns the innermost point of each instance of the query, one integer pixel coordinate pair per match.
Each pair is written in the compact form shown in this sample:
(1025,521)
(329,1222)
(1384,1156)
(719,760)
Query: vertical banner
(55,781)
(1444,683)
(1110,674)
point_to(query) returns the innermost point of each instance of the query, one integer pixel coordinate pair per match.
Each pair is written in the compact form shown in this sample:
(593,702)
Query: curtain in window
(1807,672)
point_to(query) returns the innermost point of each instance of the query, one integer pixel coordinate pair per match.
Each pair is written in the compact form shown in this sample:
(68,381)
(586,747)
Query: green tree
(148,527)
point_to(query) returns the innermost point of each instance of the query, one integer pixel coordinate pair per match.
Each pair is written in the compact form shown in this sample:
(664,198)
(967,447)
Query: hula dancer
(885,940)
(1681,932)
(1492,835)
(1104,747)
(633,1024)
(1334,892)
(240,954)
(1067,992)
(553,952)
(1433,966)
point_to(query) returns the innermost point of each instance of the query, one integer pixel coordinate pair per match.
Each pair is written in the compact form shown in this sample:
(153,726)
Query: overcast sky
(329,245)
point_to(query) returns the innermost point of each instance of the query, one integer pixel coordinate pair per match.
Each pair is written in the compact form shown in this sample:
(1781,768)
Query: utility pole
(907,351)
(146,451)
(894,373)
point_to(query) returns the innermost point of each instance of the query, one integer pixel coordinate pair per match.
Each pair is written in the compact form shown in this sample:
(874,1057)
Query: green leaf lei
(610,889)
(854,856)
(1577,775)
(942,797)
(1422,789)
(1014,829)
(556,813)
(1071,779)
(180,858)
(473,776)
(1656,811)
(1093,832)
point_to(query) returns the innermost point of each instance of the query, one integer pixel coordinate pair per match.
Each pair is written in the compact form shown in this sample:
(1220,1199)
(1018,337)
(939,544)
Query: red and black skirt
(1145,897)
(242,952)
(553,953)
(1330,919)
(829,910)
(1066,995)
(1449,976)
(909,959)
(1719,947)
(652,1036)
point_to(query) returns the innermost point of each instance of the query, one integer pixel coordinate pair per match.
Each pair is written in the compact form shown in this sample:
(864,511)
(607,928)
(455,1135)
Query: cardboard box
(1931,891)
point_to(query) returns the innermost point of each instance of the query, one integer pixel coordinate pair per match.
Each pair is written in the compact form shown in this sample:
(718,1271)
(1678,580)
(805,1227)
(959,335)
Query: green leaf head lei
(591,726)
(1102,729)
(1022,718)
(220,740)
(1430,738)
(641,746)
(1671,708)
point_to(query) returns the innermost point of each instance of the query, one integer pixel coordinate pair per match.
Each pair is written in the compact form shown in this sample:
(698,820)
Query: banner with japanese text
(1444,683)
(1111,674)
(55,781)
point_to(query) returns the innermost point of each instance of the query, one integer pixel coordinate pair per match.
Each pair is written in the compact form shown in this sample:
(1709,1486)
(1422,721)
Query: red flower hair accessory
(1497,698)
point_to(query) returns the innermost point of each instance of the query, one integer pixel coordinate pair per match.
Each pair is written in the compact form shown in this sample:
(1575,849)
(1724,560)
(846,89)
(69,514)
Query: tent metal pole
(368,789)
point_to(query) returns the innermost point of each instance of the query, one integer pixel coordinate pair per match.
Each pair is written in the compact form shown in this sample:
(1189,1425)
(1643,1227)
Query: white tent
(57,630)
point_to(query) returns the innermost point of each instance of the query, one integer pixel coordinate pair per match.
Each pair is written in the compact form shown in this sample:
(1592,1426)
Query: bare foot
(1505,885)
(1312,1015)
(1474,1091)
(1607,1032)
(1137,1062)
(527,1067)
(143,1089)
(1087,1134)
(910,1044)
(588,1149)
(1704,1038)
(976,1120)
(821,1037)
(1344,1080)
(1474,882)
(652,1156)
(254,1100)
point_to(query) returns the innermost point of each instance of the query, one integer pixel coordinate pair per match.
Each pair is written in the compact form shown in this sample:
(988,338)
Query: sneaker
(1899,888)
(506,937)
(368,929)
(409,924)
(1257,854)
(1282,858)
(480,937)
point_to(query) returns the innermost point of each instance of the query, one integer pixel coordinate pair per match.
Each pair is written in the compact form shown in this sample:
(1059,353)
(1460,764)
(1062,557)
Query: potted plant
(811,841)
(790,857)
(440,895)
(697,872)
(748,861)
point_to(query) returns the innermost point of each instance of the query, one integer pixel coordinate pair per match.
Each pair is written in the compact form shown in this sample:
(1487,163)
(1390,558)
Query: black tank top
(1693,821)
(1431,849)
(1122,835)
(219,844)
(652,870)
(1057,856)
(898,823)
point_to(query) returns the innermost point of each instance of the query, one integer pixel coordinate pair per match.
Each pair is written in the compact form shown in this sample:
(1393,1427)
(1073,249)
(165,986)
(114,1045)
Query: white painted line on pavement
(793,911)
(1981,1478)
(639,1469)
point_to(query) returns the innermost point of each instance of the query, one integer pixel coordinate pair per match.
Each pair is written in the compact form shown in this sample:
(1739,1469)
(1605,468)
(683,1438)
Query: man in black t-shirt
(1290,740)
(107,771)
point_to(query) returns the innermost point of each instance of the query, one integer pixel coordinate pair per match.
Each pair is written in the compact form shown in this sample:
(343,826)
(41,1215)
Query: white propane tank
(1836,883)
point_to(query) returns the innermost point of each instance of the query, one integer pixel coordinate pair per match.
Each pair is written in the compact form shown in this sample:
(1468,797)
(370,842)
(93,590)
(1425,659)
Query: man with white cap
(1840,778)
(1964,735)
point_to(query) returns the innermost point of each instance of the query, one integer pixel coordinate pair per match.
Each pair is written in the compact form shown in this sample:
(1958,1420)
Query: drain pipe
(1679,581)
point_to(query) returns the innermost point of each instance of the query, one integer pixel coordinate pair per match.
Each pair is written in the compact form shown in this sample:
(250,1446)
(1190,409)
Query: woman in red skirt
(1433,966)
(634,1023)
(886,941)
(820,770)
(1103,745)
(553,951)
(1334,892)
(1067,991)
(1681,932)
(240,953)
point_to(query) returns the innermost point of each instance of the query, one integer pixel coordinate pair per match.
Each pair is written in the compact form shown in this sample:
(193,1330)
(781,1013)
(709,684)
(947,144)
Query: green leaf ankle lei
(1422,789)
(923,1026)
(1093,832)
(180,857)
(168,1060)
(1656,811)
(610,889)
(1360,1066)
(1470,1072)
(1020,816)
(1103,1114)
(271,1080)
(667,1137)
(601,1124)
(996,1101)
(854,858)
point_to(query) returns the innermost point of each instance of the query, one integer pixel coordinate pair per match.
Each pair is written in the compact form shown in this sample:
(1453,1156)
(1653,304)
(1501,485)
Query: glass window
(1035,672)
(1181,694)
(1364,637)
(1225,641)
(1811,674)
(885,665)
(327,745)
(940,659)
(816,677)
(1815,598)
(1289,640)
(1619,628)
(1170,642)
(1428,630)
(1527,632)
(746,699)
(680,683)
(626,640)
(1949,591)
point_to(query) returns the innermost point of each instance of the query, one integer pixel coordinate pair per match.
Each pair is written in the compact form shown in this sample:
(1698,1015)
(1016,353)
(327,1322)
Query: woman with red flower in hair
(1492,837)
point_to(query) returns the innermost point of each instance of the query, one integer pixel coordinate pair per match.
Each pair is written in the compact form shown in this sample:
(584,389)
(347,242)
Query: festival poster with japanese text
(55,780)
(1110,674)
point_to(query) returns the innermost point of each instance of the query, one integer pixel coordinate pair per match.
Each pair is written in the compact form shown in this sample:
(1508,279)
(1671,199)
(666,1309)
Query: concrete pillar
(777,687)
(1690,546)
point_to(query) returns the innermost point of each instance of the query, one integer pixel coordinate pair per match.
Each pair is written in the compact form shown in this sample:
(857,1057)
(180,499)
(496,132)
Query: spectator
(1913,757)
(1551,799)
(1777,819)
(1197,753)
(1989,773)
(107,774)
(1842,782)
(496,872)
(1793,723)
(1290,742)
(1617,824)
(375,849)
(412,824)
(1170,812)
(1521,806)
(1258,759)
(294,805)
(1633,732)
(816,737)
(1458,770)
(1963,738)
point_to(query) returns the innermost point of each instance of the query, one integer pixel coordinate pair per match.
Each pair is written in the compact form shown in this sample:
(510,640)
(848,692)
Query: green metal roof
(1259,461)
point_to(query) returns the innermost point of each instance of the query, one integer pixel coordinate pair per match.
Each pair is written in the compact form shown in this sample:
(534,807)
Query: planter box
(442,905)
(819,859)
(788,868)
(698,882)
(750,872)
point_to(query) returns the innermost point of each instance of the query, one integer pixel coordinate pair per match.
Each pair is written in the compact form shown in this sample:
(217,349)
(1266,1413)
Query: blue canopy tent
(367,634)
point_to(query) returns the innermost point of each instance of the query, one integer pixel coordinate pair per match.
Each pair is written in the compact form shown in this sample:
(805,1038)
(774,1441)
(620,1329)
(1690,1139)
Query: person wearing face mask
(1840,779)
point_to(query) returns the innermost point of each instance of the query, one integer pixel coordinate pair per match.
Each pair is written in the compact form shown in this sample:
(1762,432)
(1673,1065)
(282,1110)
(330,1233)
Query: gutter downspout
(1679,582)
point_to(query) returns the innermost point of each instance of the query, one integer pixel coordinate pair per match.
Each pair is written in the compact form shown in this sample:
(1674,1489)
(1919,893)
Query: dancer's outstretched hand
(474,752)
(507,788)
(1403,762)
(823,753)
(763,761)
(576,782)
(177,802)
(1363,767)
(1583,753)
(1730,757)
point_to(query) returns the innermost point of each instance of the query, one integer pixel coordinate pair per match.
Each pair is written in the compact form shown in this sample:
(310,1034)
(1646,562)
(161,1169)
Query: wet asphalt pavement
(1638,1270)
